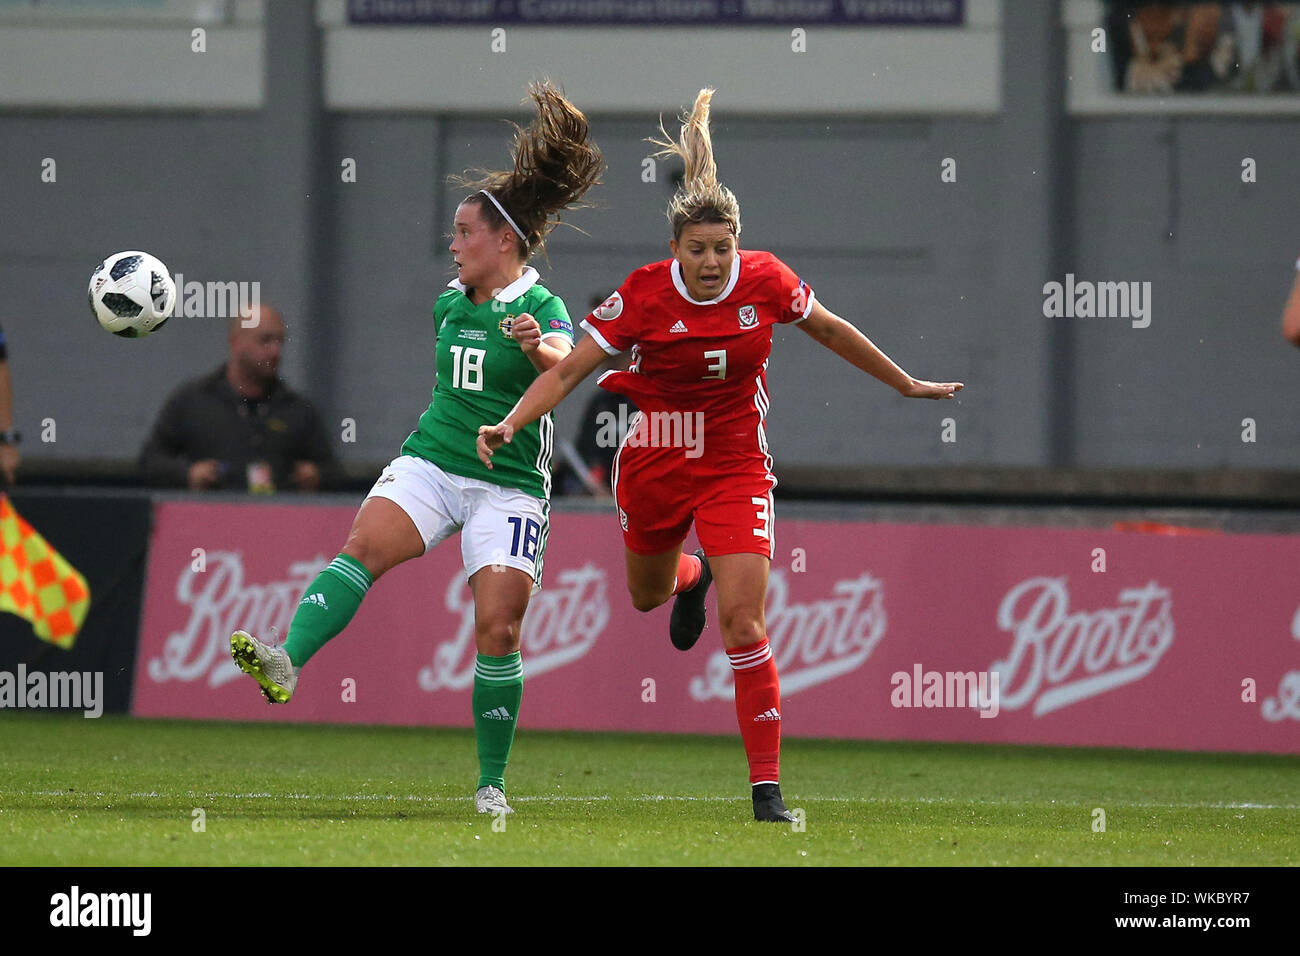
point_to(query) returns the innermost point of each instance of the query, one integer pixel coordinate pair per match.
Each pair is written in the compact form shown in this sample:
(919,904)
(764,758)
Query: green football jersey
(482,372)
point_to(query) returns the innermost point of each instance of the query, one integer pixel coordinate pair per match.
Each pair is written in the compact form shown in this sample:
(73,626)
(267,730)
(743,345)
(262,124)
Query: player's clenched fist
(492,437)
(526,332)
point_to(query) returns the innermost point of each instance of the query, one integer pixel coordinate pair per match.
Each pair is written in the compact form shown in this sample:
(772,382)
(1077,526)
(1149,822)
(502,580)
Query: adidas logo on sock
(497,713)
(679,326)
(318,599)
(769,714)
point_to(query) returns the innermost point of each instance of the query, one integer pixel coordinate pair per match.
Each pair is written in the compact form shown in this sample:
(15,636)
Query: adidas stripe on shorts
(498,526)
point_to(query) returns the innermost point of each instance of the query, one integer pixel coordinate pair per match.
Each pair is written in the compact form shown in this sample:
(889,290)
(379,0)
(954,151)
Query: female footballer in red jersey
(699,326)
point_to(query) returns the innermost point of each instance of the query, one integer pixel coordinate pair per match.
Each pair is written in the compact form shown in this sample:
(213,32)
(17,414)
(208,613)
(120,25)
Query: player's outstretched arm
(547,391)
(846,341)
(1291,315)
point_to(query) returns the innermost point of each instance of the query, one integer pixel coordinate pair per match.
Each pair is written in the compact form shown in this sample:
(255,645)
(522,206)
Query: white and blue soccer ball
(132,294)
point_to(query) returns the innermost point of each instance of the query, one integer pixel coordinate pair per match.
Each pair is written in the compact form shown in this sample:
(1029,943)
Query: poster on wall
(661,12)
(1013,636)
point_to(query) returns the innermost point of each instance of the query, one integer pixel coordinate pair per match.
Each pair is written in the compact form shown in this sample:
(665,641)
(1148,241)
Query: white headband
(502,209)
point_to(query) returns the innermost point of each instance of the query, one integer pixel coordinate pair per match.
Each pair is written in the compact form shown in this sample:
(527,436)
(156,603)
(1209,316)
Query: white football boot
(491,800)
(269,666)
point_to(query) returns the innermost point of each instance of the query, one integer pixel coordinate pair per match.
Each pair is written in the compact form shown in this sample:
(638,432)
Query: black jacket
(206,418)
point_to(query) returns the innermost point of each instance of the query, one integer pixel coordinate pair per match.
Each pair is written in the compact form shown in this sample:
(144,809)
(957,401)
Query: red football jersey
(707,357)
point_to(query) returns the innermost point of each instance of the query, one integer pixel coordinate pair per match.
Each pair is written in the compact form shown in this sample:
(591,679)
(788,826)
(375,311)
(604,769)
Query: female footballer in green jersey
(498,328)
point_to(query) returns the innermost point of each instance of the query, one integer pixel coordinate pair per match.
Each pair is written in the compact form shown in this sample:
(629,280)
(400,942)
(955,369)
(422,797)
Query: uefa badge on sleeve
(610,309)
(507,325)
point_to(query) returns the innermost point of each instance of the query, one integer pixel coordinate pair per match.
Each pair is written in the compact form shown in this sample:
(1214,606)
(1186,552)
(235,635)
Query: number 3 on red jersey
(764,517)
(718,368)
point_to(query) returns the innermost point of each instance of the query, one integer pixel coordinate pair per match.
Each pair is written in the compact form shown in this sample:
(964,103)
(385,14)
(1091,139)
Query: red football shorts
(659,492)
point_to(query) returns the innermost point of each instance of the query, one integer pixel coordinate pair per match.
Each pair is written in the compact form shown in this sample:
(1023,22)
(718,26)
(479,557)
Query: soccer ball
(132,294)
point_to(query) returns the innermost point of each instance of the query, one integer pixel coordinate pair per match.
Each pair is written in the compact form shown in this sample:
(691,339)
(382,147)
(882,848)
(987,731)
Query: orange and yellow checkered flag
(37,583)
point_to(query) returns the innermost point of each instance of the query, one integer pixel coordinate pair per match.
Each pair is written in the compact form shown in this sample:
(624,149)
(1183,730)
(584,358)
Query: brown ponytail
(555,164)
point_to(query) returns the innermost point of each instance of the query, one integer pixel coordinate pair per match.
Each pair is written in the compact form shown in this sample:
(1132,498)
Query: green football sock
(326,607)
(498,688)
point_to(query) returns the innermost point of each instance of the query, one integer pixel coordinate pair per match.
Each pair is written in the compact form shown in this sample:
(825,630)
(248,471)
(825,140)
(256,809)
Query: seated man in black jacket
(241,427)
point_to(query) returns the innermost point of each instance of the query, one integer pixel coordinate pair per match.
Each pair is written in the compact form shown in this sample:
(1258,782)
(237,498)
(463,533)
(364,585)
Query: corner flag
(37,583)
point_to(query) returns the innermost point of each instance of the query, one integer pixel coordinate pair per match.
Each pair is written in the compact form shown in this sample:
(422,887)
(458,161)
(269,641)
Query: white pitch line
(641,798)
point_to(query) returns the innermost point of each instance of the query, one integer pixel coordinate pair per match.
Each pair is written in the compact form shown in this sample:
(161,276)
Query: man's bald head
(252,318)
(256,340)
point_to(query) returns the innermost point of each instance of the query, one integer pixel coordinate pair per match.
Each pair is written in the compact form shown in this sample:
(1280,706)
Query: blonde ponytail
(701,198)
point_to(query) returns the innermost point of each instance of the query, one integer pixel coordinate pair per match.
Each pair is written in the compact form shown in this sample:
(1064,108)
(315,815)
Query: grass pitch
(116,791)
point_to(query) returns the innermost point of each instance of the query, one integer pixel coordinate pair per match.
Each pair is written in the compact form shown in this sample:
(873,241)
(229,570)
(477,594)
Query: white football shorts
(498,526)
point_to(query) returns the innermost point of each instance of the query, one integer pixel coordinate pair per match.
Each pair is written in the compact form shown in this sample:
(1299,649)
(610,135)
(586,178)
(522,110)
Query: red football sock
(758,709)
(689,570)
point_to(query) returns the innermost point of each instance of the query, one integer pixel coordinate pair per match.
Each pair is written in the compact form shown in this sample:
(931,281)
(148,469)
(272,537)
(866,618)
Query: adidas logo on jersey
(318,599)
(769,714)
(497,713)
(679,326)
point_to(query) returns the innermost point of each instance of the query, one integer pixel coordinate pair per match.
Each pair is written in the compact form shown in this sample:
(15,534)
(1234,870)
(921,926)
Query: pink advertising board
(881,631)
